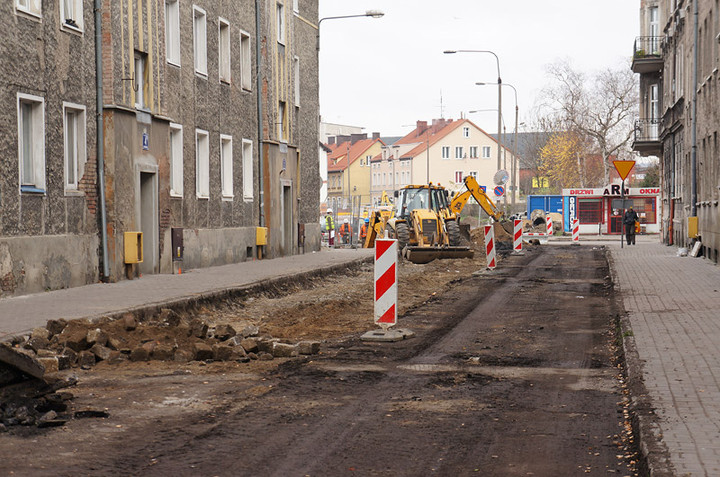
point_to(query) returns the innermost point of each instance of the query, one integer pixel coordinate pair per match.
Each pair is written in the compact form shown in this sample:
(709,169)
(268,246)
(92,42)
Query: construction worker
(330,227)
(363,232)
(345,232)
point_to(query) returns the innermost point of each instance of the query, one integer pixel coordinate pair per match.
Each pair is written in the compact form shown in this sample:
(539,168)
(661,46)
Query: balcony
(647,137)
(648,54)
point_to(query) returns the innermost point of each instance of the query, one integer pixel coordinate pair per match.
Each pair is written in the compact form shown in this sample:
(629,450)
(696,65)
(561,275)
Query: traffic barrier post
(490,246)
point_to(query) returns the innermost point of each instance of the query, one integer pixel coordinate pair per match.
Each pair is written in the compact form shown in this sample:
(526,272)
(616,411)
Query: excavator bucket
(420,254)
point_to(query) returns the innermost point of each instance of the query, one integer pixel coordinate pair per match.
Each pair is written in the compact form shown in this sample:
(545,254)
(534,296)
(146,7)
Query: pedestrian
(345,232)
(363,232)
(330,227)
(629,221)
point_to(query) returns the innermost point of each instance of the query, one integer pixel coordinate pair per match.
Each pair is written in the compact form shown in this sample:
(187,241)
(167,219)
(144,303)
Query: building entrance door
(149,222)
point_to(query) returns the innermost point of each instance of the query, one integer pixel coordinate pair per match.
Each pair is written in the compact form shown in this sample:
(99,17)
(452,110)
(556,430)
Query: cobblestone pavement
(673,309)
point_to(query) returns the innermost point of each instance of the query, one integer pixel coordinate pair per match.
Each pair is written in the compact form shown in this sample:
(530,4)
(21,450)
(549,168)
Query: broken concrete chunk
(249,345)
(96,336)
(198,329)
(250,330)
(224,332)
(51,365)
(56,326)
(139,354)
(222,352)
(116,342)
(41,333)
(22,359)
(202,352)
(266,345)
(86,359)
(101,352)
(36,344)
(163,352)
(308,347)
(284,350)
(76,340)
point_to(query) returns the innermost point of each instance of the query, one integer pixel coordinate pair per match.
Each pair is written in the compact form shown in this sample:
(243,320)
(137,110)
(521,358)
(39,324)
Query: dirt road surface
(511,373)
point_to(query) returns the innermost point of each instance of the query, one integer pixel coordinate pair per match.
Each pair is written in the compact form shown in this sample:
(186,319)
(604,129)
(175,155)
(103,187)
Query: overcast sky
(384,74)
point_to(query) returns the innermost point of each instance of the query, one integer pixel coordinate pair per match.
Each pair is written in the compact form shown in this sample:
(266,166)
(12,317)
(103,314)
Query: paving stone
(202,351)
(222,352)
(198,329)
(224,332)
(56,326)
(163,352)
(96,336)
(182,356)
(41,333)
(129,322)
(71,354)
(249,345)
(116,342)
(36,344)
(139,354)
(284,350)
(101,352)
(64,362)
(86,359)
(266,345)
(250,330)
(51,365)
(308,347)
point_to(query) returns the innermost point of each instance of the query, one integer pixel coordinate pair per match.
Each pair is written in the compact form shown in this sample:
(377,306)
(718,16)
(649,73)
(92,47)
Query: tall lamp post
(499,83)
(513,167)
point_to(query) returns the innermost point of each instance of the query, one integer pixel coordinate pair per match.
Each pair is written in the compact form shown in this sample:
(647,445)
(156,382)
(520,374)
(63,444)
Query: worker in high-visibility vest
(345,232)
(363,231)
(330,227)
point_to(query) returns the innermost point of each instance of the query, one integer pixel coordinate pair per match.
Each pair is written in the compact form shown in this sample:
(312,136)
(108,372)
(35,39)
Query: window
(296,72)
(140,80)
(280,11)
(473,174)
(296,6)
(368,158)
(224,50)
(645,208)
(247,170)
(466,131)
(397,178)
(473,152)
(31,142)
(458,177)
(172,31)
(282,121)
(202,164)
(590,211)
(226,166)
(33,7)
(71,12)
(200,40)
(458,152)
(176,160)
(74,133)
(245,62)
(446,152)
(486,152)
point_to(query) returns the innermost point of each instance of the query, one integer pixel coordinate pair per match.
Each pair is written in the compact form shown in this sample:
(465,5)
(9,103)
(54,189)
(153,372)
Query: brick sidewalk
(23,313)
(673,307)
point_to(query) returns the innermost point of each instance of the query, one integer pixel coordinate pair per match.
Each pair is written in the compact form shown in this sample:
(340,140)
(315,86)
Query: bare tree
(600,108)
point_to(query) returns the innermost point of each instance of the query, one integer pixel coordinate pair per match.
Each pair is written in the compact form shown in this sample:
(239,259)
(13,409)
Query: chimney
(376,135)
(331,140)
(342,138)
(357,137)
(422,126)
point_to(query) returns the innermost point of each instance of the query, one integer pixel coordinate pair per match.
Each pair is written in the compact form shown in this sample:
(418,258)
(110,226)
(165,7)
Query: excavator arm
(474,190)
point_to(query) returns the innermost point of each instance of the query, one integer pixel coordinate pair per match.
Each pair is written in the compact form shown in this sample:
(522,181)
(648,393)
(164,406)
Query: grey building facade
(678,76)
(209,149)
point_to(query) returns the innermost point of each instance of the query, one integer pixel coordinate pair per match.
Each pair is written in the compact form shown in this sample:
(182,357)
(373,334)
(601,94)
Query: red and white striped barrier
(490,246)
(548,220)
(517,236)
(386,253)
(576,231)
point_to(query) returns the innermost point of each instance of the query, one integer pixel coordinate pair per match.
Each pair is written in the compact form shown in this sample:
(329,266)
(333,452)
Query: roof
(436,133)
(338,157)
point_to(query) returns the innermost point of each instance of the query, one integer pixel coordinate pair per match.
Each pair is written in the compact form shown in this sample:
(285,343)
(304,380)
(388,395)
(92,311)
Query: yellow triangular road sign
(624,168)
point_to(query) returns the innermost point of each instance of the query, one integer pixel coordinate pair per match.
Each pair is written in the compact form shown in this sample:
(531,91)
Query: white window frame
(74,141)
(31,7)
(200,41)
(296,6)
(459,152)
(466,131)
(458,174)
(226,167)
(247,170)
(486,152)
(172,32)
(72,11)
(202,164)
(296,76)
(473,174)
(445,152)
(224,57)
(176,160)
(140,79)
(245,61)
(280,22)
(473,152)
(36,177)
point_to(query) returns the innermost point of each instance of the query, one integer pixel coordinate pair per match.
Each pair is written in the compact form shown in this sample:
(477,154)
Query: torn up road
(513,372)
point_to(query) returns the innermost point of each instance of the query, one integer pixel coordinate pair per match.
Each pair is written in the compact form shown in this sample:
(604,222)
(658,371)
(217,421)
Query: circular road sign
(499,190)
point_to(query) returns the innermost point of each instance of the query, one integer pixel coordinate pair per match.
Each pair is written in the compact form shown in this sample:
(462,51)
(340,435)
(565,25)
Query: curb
(653,452)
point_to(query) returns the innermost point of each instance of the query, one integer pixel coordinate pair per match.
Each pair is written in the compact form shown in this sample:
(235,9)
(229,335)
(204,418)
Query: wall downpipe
(100,138)
(258,87)
(693,120)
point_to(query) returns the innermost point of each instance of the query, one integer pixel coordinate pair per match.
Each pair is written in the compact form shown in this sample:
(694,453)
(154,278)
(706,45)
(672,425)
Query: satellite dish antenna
(501,177)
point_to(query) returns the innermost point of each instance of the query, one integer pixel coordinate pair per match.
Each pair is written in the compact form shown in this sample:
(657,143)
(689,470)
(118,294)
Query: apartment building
(48,191)
(209,137)
(349,165)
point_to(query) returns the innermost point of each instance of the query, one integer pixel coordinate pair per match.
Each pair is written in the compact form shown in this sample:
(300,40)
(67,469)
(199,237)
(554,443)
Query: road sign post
(623,168)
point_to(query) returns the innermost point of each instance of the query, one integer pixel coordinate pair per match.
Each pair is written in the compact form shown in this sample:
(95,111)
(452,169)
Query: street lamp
(515,139)
(499,82)
(368,13)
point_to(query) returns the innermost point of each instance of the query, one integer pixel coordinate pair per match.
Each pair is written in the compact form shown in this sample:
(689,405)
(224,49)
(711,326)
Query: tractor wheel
(403,235)
(453,230)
